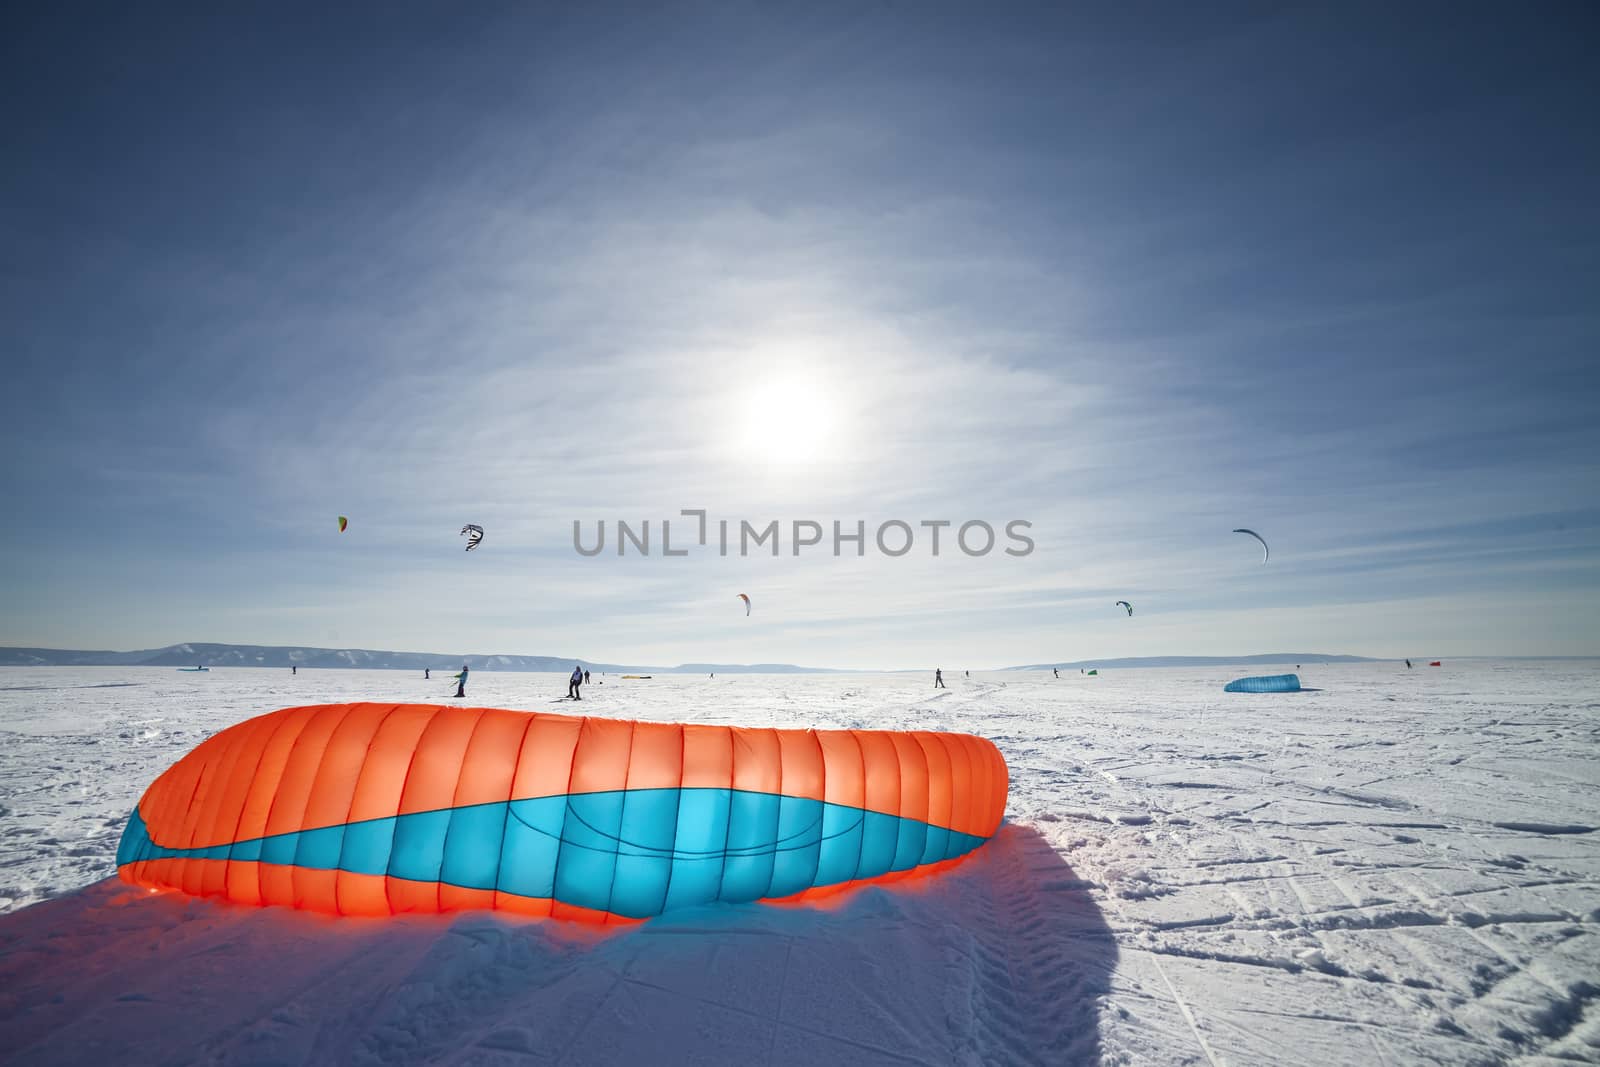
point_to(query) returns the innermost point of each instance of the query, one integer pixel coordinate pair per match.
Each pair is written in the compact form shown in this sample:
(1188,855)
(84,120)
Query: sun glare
(789,422)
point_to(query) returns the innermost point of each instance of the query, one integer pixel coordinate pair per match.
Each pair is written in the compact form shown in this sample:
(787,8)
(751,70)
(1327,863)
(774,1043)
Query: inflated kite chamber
(1264,683)
(372,809)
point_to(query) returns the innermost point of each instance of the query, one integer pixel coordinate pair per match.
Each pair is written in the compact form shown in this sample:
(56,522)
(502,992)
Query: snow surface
(1398,867)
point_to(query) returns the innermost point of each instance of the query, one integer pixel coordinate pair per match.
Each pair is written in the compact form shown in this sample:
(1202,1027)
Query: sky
(1135,275)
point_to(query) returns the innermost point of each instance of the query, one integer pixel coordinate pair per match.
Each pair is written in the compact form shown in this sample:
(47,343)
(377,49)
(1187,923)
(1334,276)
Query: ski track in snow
(1400,868)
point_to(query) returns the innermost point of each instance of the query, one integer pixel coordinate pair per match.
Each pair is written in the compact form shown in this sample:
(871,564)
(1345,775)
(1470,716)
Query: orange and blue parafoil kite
(373,809)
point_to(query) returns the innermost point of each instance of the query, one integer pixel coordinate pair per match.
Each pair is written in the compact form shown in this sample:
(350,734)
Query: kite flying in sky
(1265,551)
(746,604)
(474,535)
(1125,604)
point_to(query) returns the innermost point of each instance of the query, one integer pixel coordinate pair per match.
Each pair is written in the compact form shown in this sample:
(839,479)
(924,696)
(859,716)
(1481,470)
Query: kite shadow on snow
(1003,958)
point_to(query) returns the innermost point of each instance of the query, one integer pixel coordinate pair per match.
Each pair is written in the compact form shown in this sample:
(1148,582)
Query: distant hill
(1199,661)
(216,655)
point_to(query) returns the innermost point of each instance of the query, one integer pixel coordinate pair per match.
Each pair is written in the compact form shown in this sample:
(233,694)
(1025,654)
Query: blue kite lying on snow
(1265,683)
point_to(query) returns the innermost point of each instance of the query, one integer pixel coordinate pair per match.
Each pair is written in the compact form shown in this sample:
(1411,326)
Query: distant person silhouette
(585,677)
(1055,671)
(938,679)
(296,669)
(1408,665)
(574,683)
(427,673)
(461,682)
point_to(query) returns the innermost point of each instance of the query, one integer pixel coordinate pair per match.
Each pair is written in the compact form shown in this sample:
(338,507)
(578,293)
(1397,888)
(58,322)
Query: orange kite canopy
(373,809)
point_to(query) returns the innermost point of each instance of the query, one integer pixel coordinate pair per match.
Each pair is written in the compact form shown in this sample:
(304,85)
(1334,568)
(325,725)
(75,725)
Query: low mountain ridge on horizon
(212,654)
(1203,661)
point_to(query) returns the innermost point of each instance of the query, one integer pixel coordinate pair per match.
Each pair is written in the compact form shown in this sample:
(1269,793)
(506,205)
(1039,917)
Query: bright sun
(789,421)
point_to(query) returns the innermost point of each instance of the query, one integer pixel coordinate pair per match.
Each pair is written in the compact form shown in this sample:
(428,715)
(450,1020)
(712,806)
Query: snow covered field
(1402,867)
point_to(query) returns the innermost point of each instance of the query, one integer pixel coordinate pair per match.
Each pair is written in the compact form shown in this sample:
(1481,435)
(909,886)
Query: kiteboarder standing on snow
(574,683)
(461,682)
(938,679)
(1056,671)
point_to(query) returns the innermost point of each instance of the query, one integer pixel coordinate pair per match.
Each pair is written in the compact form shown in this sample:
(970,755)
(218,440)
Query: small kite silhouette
(1266,553)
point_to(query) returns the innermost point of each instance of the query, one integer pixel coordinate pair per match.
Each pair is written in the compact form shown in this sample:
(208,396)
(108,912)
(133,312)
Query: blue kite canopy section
(1264,683)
